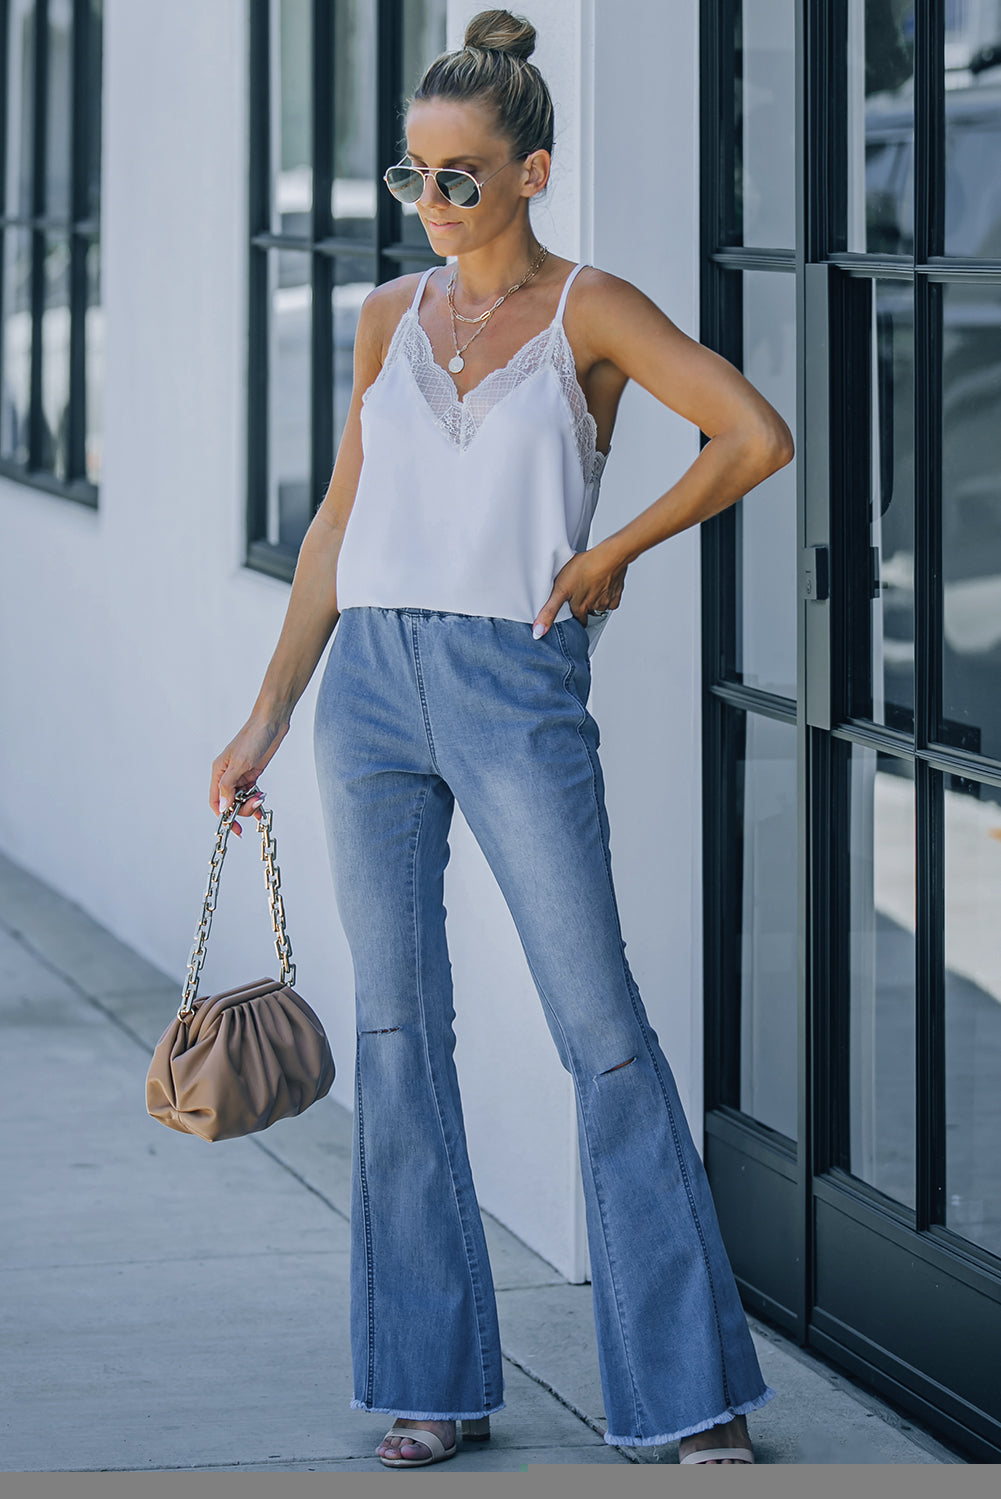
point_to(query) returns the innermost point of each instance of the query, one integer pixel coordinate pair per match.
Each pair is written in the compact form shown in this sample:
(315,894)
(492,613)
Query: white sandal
(715,1454)
(439,1452)
(477,1430)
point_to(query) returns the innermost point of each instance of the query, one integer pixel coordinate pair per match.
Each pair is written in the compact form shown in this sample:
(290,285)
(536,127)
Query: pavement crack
(574,1410)
(78,989)
(302,1180)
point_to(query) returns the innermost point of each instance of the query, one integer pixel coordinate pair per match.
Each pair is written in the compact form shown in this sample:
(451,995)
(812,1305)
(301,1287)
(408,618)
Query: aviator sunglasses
(406,182)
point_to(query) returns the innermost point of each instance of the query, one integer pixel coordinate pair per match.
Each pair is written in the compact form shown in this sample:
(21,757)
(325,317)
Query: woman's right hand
(239,766)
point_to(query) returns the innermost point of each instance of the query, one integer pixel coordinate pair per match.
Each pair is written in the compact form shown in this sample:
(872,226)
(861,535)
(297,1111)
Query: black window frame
(81,226)
(386,250)
(832,454)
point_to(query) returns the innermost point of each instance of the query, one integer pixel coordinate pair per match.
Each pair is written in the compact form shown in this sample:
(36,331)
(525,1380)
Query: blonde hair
(493,65)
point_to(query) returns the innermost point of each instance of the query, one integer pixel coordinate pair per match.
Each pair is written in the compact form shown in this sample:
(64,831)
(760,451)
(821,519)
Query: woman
(454,560)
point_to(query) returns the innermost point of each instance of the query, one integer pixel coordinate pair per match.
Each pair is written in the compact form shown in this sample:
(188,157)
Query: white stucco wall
(132,639)
(627,115)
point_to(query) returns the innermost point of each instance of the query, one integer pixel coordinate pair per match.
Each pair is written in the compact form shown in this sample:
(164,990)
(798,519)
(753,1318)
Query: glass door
(851,236)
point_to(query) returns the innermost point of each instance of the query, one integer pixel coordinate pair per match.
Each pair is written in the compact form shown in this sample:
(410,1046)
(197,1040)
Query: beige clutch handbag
(241,1060)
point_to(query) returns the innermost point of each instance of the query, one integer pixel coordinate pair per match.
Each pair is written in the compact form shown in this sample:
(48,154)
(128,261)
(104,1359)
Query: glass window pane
(768,961)
(291,117)
(972,181)
(94,343)
(352,284)
(59,106)
(54,453)
(92,105)
(971,518)
(972,129)
(880,124)
(766,120)
(289,343)
(882,672)
(20,105)
(973,1015)
(766,519)
(423,40)
(16,342)
(355,174)
(882,969)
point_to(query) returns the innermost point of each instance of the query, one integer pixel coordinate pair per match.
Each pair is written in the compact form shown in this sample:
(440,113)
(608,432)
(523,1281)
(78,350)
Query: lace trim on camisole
(461,419)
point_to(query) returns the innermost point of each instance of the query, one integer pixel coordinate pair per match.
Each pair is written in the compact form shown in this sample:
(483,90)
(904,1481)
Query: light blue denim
(419,709)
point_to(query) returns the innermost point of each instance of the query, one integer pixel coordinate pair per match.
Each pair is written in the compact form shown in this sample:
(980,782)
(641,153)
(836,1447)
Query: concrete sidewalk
(171,1305)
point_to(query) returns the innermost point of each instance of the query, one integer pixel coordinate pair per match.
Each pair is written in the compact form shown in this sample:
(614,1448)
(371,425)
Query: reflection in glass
(973,1018)
(291,115)
(355,176)
(20,97)
(59,106)
(972,181)
(765,189)
(888,696)
(423,39)
(973,130)
(766,519)
(882,1015)
(54,456)
(354,282)
(15,390)
(768,968)
(92,105)
(971,517)
(880,124)
(289,343)
(94,377)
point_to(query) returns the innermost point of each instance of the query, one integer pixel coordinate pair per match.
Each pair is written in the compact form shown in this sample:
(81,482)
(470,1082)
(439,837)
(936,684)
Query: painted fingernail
(538,631)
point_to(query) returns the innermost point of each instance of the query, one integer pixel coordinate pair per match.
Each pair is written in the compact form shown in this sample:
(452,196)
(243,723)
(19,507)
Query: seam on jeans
(686,1179)
(419,670)
(367,1226)
(613,1281)
(419,986)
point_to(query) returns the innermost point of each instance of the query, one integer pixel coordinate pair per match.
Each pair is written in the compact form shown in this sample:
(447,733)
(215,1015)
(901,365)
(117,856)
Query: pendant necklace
(456,364)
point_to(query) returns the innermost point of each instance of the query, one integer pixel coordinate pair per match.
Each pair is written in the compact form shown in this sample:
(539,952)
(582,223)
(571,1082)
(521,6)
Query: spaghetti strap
(566,287)
(420,288)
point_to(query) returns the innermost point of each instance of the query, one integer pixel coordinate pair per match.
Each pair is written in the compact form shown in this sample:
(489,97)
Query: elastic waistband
(420,613)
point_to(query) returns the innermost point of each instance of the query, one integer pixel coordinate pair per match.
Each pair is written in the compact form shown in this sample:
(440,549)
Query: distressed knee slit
(618,1067)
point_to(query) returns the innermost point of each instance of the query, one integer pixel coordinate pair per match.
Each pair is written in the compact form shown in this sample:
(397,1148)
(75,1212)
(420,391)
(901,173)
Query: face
(450,133)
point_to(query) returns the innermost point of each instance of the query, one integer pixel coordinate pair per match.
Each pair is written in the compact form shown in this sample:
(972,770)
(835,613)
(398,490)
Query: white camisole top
(471,506)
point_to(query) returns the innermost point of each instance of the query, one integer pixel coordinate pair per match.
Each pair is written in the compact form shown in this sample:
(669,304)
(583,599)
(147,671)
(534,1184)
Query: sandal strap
(713,1454)
(418,1434)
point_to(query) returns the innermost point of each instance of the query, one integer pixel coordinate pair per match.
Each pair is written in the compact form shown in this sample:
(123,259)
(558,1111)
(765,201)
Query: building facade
(796,701)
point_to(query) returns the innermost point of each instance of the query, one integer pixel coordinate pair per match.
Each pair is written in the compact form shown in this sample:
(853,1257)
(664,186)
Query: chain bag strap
(272,874)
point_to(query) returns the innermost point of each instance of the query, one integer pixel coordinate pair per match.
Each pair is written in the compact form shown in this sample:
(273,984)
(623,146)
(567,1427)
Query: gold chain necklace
(456,364)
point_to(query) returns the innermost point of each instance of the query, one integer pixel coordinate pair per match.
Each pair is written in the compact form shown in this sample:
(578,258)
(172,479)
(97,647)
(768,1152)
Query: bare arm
(748,438)
(312,607)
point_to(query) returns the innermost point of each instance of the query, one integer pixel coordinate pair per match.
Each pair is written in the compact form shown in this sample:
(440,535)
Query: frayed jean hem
(380,1410)
(690,1431)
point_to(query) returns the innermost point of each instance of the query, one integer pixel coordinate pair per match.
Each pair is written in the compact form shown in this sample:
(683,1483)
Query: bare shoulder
(607,304)
(616,328)
(382,309)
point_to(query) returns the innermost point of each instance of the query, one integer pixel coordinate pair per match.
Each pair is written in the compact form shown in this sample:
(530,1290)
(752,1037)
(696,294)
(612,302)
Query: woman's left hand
(591,582)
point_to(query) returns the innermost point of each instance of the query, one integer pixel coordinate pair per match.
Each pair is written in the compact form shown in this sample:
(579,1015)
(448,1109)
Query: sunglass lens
(459,188)
(404,183)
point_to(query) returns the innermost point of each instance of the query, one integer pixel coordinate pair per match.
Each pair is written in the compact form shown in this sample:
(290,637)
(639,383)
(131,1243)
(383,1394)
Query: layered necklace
(456,364)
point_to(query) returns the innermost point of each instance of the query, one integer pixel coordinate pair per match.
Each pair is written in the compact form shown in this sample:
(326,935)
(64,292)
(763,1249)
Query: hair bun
(500,31)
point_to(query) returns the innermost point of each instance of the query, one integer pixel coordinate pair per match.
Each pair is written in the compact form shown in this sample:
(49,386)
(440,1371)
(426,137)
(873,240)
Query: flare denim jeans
(419,709)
